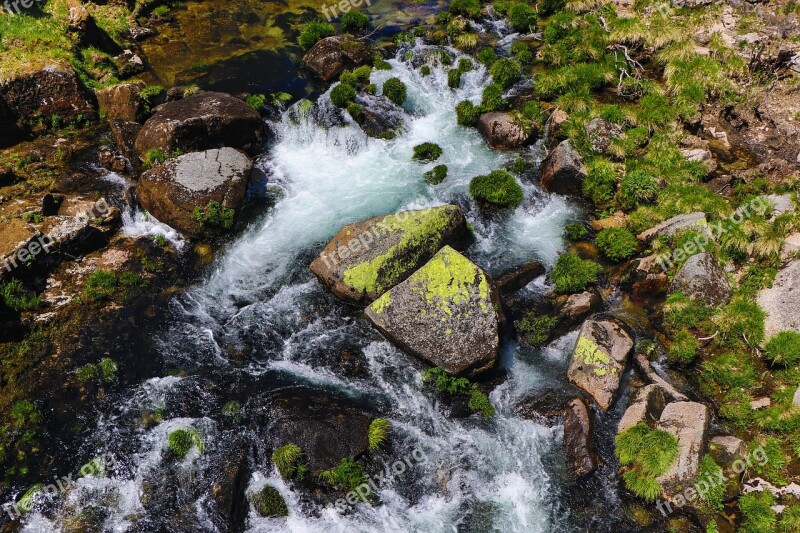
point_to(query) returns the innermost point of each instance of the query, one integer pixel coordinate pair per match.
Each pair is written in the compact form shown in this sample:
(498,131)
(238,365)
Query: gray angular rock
(781,302)
(599,358)
(702,278)
(563,171)
(202,122)
(172,191)
(381,118)
(695,221)
(447,313)
(687,422)
(601,132)
(580,456)
(365,259)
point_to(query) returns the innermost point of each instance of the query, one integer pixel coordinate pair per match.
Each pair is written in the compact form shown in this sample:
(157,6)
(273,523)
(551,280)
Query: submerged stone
(367,258)
(446,313)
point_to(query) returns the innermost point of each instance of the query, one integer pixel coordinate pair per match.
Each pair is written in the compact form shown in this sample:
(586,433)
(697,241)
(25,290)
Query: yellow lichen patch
(380,305)
(591,354)
(421,230)
(449,280)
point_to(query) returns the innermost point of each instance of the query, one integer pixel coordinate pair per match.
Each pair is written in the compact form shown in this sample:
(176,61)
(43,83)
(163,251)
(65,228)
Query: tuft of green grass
(681,312)
(256,101)
(467,113)
(354,22)
(648,453)
(499,188)
(181,442)
(637,187)
(783,349)
(505,72)
(522,17)
(378,433)
(14,295)
(617,244)
(153,157)
(288,460)
(466,8)
(343,94)
(600,183)
(729,371)
(759,517)
(741,321)
(575,232)
(683,349)
(347,475)
(710,470)
(573,274)
(313,32)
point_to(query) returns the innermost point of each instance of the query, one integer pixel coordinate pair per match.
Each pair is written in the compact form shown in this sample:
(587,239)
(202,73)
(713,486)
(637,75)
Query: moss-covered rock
(599,358)
(367,258)
(269,502)
(446,313)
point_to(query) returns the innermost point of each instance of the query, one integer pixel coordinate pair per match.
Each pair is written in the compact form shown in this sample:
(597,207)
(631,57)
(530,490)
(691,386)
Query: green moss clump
(617,244)
(14,295)
(790,520)
(505,72)
(648,453)
(436,175)
(445,383)
(741,321)
(573,274)
(288,460)
(427,152)
(153,157)
(536,329)
(214,216)
(268,502)
(575,232)
(454,78)
(378,433)
(354,22)
(256,101)
(783,349)
(681,312)
(759,517)
(499,188)
(232,409)
(637,187)
(467,113)
(343,94)
(729,371)
(181,442)
(313,32)
(683,349)
(467,8)
(522,16)
(347,475)
(102,284)
(492,99)
(356,111)
(395,90)
(714,496)
(600,183)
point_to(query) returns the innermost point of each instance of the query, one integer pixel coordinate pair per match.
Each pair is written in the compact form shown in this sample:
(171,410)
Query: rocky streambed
(438,295)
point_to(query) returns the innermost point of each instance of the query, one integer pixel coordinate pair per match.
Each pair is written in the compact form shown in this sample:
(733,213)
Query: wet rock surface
(502,131)
(330,56)
(563,171)
(446,313)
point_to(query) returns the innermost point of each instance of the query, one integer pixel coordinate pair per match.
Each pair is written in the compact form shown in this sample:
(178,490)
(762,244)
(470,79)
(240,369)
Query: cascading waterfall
(261,301)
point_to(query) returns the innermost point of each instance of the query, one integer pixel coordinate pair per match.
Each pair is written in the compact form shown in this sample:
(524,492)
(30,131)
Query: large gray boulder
(563,171)
(694,221)
(702,278)
(180,192)
(599,358)
(365,259)
(502,131)
(332,55)
(447,313)
(580,456)
(201,122)
(380,118)
(687,422)
(781,302)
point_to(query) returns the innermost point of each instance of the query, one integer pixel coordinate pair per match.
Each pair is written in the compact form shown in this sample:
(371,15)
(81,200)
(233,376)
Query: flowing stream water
(260,318)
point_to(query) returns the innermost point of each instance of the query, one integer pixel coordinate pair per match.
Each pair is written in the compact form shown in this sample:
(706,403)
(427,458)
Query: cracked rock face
(171,192)
(447,313)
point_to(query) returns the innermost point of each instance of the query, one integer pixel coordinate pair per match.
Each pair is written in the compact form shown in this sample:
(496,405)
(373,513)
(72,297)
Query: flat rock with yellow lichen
(599,358)
(447,313)
(366,259)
